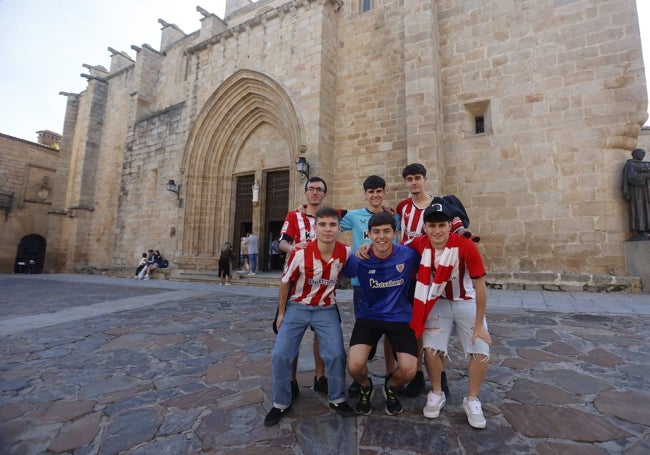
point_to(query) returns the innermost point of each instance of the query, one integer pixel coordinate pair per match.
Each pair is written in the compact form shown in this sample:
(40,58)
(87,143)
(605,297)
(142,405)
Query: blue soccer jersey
(357,222)
(385,284)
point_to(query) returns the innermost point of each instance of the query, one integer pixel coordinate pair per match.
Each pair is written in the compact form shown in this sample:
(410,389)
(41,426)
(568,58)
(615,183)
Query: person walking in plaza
(226,256)
(383,309)
(374,191)
(253,251)
(455,297)
(298,231)
(307,299)
(410,211)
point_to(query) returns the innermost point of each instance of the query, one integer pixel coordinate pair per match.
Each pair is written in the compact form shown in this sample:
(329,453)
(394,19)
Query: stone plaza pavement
(100,365)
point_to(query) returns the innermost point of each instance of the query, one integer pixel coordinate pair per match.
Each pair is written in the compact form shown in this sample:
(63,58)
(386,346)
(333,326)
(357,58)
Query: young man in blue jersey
(383,309)
(374,191)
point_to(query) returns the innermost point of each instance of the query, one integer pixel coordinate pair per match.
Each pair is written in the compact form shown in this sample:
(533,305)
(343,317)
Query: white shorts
(442,318)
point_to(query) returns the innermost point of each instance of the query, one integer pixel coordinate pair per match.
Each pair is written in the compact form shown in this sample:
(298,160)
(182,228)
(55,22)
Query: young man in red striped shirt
(410,211)
(307,298)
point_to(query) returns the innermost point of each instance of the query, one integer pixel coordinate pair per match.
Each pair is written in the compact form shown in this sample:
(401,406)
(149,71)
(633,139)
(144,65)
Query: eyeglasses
(315,189)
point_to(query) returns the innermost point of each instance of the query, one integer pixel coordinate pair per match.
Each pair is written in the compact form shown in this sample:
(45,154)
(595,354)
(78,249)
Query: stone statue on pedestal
(636,189)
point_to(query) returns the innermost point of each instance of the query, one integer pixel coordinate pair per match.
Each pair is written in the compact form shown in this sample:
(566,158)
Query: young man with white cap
(450,291)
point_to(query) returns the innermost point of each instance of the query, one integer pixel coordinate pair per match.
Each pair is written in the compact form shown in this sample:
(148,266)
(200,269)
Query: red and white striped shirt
(298,228)
(412,222)
(314,280)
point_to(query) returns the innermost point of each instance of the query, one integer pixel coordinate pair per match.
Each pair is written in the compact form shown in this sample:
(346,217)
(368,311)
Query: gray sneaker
(474,412)
(434,404)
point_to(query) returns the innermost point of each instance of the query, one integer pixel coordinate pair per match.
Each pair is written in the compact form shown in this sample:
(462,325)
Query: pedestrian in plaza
(252,242)
(307,299)
(374,191)
(455,297)
(226,256)
(384,309)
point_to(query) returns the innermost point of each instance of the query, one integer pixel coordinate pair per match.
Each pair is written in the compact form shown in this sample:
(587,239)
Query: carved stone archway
(244,102)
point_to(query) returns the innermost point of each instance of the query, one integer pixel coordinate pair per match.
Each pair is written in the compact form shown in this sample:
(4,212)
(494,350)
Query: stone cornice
(257,20)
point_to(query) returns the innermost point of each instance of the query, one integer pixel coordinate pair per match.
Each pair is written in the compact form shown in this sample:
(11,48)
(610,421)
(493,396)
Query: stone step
(263,279)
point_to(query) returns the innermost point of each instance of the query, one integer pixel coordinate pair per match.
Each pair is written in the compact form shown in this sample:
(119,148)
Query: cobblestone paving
(186,369)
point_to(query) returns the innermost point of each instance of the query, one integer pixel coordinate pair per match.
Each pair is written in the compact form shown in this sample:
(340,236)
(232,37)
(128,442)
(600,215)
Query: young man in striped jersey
(307,299)
(410,211)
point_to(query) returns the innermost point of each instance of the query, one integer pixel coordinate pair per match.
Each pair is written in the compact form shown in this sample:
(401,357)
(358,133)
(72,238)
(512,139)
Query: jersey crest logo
(400,267)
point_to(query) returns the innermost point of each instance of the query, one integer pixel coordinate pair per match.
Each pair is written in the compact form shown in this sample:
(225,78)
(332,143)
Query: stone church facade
(526,111)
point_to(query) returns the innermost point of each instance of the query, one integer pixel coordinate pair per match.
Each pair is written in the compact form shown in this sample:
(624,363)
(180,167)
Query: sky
(44,43)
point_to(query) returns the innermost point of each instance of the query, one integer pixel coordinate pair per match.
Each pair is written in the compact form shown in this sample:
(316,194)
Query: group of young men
(412,292)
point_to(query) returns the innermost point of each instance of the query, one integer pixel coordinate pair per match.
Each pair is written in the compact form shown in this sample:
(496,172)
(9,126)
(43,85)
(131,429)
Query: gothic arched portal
(227,142)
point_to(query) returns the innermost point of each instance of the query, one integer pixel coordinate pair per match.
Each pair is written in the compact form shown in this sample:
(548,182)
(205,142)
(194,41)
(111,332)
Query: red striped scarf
(426,292)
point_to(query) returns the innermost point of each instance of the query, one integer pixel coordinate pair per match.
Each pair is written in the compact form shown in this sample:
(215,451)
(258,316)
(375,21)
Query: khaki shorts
(444,315)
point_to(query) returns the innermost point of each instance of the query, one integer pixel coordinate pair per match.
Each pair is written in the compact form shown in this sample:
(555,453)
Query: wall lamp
(302,166)
(171,186)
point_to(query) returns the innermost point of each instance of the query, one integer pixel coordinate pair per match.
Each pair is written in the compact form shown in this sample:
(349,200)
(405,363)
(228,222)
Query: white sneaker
(146,278)
(227,284)
(434,404)
(474,412)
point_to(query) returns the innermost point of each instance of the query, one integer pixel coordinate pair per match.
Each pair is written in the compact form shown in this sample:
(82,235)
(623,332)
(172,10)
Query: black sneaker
(393,405)
(320,385)
(343,408)
(274,416)
(364,406)
(295,390)
(354,390)
(445,386)
(416,386)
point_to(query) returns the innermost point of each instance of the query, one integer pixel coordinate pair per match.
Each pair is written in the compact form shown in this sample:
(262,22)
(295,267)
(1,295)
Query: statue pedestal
(637,257)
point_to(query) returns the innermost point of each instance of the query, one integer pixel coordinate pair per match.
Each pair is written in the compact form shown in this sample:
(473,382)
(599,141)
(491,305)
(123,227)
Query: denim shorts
(444,315)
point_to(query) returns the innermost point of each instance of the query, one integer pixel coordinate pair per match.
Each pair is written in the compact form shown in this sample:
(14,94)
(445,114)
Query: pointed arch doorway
(248,131)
